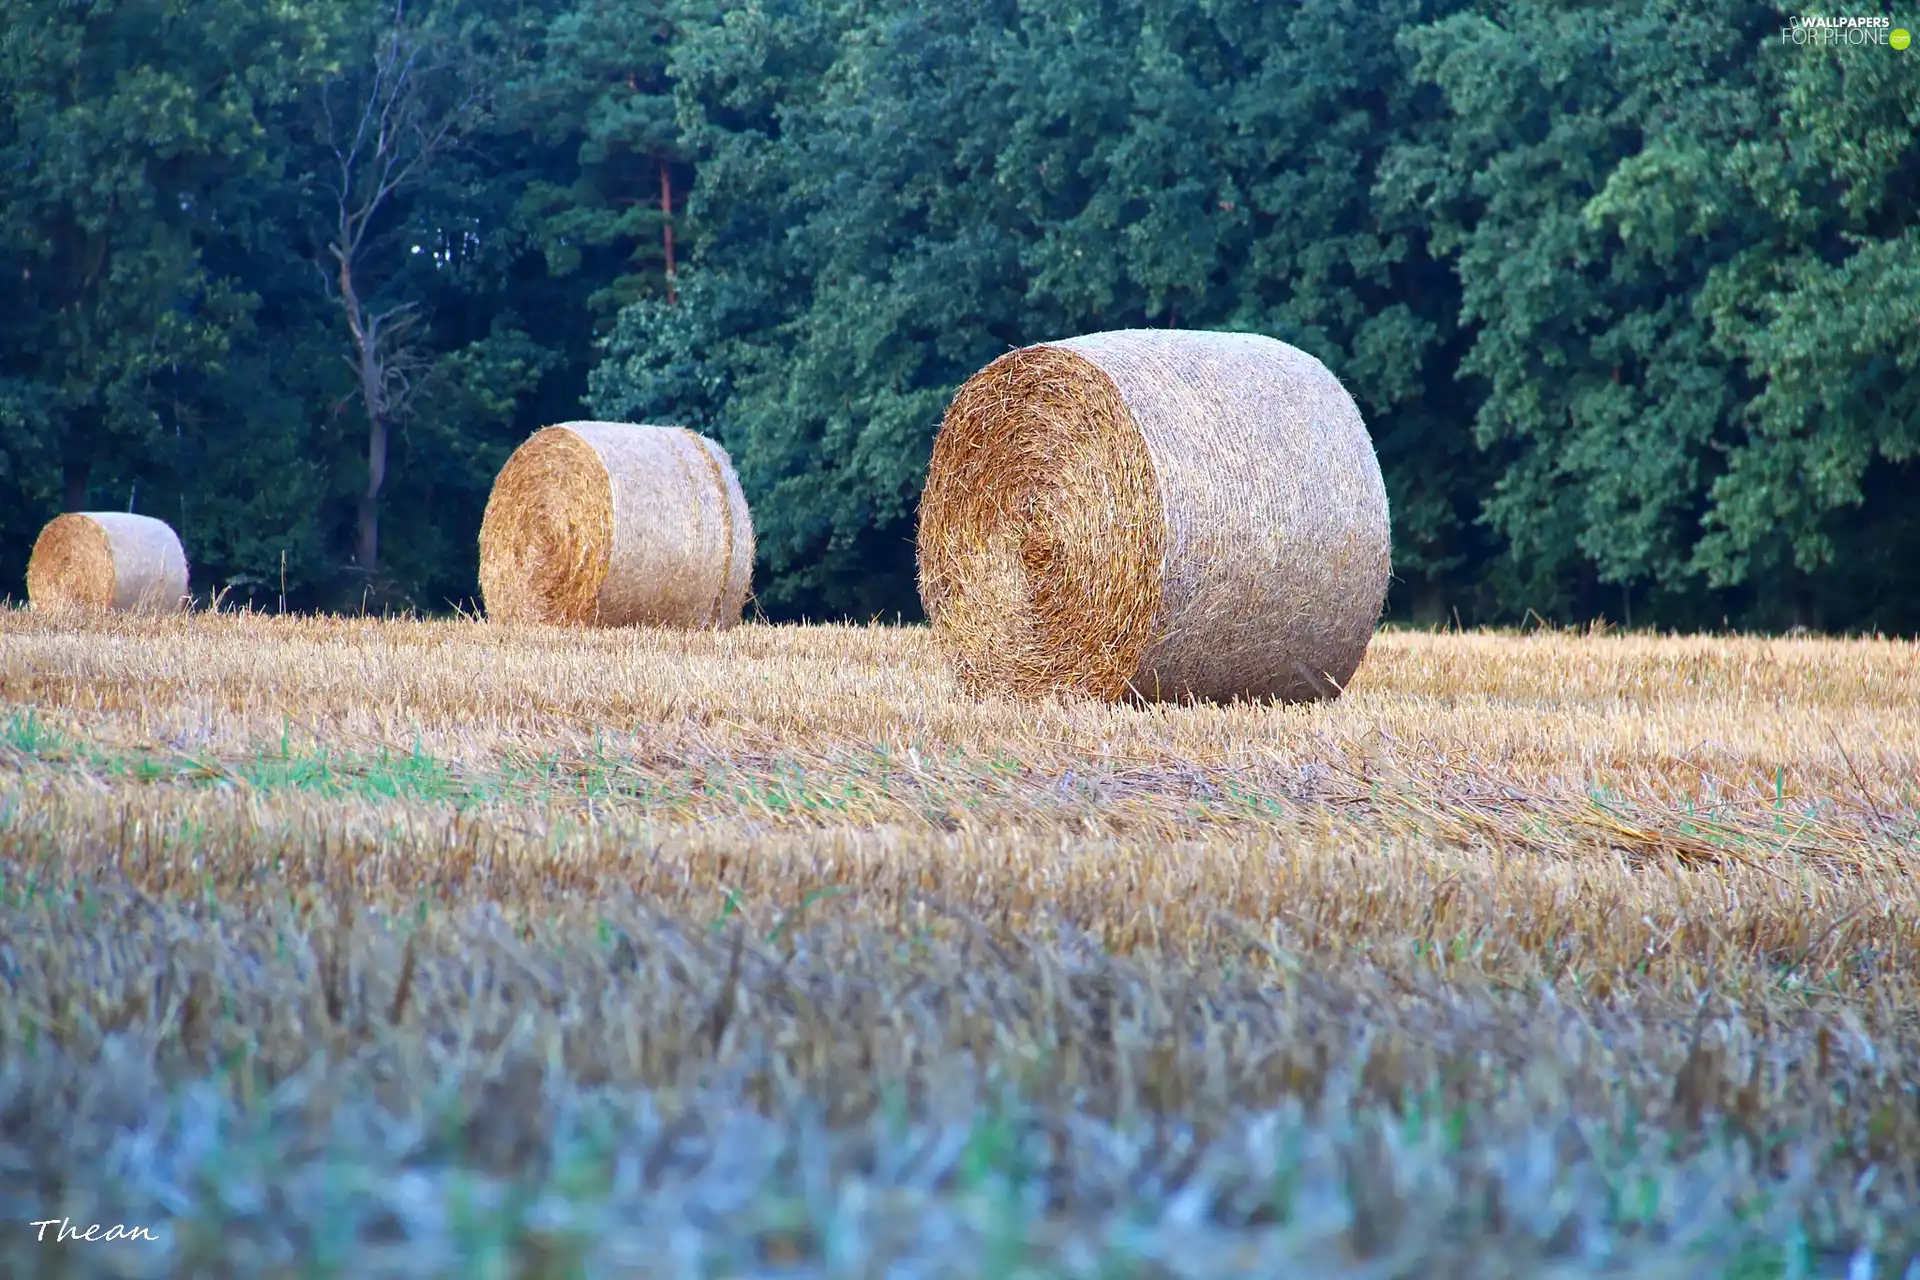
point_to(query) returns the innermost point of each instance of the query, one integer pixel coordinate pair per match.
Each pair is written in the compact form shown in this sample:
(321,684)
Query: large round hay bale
(107,560)
(613,524)
(1167,513)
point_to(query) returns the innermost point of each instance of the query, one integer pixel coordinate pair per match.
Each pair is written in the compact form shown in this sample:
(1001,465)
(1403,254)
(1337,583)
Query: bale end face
(547,535)
(1041,533)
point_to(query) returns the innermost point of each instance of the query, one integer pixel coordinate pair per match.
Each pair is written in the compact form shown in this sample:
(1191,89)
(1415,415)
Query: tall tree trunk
(1583,603)
(367,546)
(367,552)
(1429,606)
(73,484)
(366,347)
(1804,612)
(666,223)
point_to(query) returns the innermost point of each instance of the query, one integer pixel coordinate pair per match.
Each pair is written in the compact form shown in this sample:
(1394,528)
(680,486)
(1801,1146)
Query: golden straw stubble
(107,561)
(616,524)
(1165,514)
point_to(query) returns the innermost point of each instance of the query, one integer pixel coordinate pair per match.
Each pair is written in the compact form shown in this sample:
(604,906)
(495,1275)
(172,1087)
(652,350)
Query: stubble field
(374,948)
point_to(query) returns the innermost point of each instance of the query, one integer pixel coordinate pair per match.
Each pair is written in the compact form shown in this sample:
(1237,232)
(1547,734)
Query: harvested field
(439,948)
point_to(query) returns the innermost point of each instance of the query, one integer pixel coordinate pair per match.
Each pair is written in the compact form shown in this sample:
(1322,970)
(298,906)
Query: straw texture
(616,524)
(1160,513)
(107,560)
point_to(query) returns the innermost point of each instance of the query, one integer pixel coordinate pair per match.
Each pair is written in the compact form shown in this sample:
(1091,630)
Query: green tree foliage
(1600,392)
(890,195)
(605,100)
(1820,307)
(1625,289)
(132,143)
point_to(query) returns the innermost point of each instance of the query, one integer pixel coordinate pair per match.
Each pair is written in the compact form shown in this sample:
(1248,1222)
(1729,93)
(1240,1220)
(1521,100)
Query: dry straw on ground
(426,948)
(1169,513)
(613,524)
(108,560)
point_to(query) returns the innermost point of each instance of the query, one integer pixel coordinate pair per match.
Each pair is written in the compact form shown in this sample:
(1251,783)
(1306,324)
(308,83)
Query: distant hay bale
(107,560)
(1172,514)
(612,524)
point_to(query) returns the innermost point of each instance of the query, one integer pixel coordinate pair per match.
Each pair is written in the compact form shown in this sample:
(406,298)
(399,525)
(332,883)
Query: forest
(1627,291)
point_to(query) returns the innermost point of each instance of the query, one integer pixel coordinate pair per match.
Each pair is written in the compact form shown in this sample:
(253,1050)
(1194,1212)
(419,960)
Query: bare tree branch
(405,125)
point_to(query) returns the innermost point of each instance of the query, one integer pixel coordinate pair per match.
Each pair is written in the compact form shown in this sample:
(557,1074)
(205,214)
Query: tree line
(1628,291)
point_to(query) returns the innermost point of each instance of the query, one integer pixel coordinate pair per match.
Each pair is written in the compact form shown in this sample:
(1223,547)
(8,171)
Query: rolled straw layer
(615,524)
(1163,513)
(107,561)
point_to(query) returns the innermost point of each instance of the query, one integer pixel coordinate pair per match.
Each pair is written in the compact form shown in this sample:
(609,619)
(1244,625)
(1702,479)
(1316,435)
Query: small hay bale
(613,524)
(107,560)
(1164,513)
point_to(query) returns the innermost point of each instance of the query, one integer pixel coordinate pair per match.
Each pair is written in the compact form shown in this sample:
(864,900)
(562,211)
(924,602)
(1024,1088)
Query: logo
(1819,29)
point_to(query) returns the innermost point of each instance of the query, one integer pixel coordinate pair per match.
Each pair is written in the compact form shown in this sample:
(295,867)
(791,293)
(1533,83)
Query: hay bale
(1167,513)
(107,560)
(612,524)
